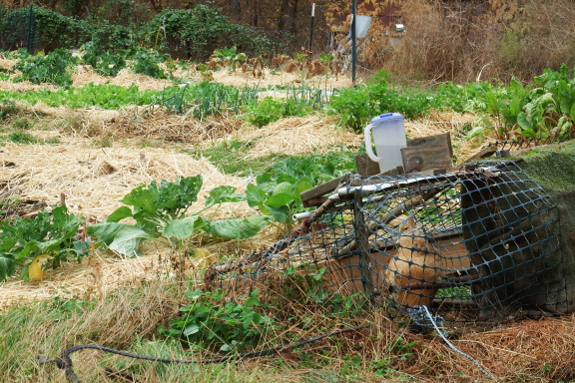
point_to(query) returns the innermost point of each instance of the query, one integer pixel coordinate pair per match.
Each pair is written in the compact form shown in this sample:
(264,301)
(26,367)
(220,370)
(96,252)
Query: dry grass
(270,78)
(526,351)
(95,179)
(167,127)
(297,136)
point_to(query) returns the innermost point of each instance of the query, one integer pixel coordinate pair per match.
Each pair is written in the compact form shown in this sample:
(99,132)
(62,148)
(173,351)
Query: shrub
(196,33)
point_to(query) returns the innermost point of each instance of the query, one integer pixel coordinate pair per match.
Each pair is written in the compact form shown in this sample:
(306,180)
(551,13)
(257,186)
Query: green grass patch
(24,138)
(103,96)
(232,158)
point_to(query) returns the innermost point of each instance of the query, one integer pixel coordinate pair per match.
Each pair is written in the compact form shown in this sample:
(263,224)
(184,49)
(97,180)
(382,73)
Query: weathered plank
(427,153)
(311,197)
(366,166)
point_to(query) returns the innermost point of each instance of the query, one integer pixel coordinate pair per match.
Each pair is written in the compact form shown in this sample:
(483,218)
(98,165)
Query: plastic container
(361,26)
(388,137)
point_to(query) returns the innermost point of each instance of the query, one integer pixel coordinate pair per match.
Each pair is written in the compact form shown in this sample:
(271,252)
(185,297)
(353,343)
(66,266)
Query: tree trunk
(236,10)
(291,25)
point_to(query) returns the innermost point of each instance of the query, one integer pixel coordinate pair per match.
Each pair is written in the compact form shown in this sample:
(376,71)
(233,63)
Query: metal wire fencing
(479,244)
(20,29)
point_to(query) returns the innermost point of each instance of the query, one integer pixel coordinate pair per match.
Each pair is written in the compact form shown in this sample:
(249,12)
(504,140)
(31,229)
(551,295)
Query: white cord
(453,347)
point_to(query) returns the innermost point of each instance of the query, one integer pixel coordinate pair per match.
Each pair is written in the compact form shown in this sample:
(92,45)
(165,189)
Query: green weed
(213,322)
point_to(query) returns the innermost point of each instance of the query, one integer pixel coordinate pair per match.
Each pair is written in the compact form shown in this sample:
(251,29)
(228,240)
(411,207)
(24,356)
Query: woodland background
(444,40)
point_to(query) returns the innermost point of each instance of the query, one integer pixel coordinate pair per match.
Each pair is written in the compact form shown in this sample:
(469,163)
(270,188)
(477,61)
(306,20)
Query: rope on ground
(65,363)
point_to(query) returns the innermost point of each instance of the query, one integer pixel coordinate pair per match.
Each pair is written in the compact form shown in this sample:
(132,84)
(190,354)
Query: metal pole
(311,25)
(29,37)
(353,41)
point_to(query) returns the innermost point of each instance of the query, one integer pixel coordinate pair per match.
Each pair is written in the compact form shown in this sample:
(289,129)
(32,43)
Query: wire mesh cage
(478,244)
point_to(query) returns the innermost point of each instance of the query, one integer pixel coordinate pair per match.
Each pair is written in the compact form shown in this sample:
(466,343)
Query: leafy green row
(103,96)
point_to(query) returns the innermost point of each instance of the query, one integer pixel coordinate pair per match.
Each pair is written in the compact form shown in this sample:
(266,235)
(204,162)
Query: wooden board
(312,197)
(366,166)
(427,153)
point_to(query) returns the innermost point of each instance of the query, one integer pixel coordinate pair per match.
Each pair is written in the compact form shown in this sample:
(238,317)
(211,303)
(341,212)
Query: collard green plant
(146,62)
(160,212)
(271,109)
(279,197)
(49,236)
(518,111)
(104,63)
(51,68)
(316,168)
(278,191)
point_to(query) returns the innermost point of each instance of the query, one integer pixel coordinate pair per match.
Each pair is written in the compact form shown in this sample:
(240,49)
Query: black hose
(65,363)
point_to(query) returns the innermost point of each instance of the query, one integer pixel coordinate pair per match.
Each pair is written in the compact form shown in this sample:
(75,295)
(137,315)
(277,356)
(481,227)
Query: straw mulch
(239,79)
(162,125)
(7,63)
(95,179)
(319,134)
(297,136)
(445,122)
(95,277)
(25,86)
(84,74)
(526,351)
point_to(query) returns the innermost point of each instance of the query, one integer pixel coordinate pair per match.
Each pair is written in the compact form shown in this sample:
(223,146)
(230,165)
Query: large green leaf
(128,241)
(223,194)
(255,195)
(279,200)
(183,228)
(142,198)
(280,214)
(119,214)
(122,238)
(105,231)
(7,267)
(239,228)
(524,122)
